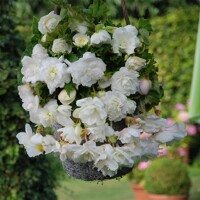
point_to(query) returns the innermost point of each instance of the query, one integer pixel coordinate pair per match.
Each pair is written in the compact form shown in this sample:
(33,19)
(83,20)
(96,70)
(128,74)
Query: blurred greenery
(20,177)
(162,179)
(173,44)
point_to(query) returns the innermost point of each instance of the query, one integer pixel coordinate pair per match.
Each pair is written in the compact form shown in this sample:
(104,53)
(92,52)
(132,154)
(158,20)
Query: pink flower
(179,106)
(183,116)
(170,121)
(182,151)
(191,129)
(143,165)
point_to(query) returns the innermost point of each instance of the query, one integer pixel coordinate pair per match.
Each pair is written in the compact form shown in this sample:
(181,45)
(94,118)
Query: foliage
(21,178)
(167,176)
(139,8)
(174,39)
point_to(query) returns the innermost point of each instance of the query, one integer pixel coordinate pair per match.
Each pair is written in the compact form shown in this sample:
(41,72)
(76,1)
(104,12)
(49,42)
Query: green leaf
(98,10)
(2,91)
(145,23)
(4,74)
(69,87)
(58,2)
(112,139)
(72,57)
(40,89)
(145,35)
(35,26)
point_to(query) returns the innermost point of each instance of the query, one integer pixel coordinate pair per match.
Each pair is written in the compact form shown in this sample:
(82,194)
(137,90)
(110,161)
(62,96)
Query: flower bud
(102,37)
(48,22)
(44,38)
(78,130)
(144,86)
(101,94)
(135,63)
(64,98)
(60,46)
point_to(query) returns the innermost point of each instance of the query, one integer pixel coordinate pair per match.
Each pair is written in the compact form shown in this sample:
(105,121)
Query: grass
(71,189)
(195,178)
(107,190)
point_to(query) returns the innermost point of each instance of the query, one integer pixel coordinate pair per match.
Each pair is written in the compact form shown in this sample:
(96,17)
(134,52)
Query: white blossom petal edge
(87,70)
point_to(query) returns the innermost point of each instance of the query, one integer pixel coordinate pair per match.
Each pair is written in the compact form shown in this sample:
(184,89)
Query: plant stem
(125,11)
(57,10)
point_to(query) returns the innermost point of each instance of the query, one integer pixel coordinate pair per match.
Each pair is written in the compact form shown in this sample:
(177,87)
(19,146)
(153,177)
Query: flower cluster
(86,78)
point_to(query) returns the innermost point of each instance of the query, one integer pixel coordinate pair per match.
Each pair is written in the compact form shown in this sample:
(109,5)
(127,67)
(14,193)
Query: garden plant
(93,83)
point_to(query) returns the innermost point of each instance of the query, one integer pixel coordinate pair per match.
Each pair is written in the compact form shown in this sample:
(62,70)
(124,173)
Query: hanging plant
(94,83)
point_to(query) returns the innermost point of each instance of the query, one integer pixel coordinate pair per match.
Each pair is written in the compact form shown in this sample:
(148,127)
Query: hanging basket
(87,172)
(94,83)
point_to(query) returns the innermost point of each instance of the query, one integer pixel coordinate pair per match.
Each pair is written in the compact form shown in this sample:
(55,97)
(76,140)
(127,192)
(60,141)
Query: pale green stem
(194,108)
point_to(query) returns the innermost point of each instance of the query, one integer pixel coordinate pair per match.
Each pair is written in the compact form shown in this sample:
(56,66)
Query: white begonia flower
(125,81)
(64,150)
(144,86)
(79,27)
(65,99)
(106,162)
(101,37)
(91,112)
(34,117)
(116,105)
(129,135)
(148,148)
(30,102)
(31,65)
(87,70)
(31,141)
(133,149)
(153,124)
(63,115)
(123,157)
(104,82)
(39,52)
(99,133)
(170,133)
(87,152)
(80,40)
(49,144)
(35,147)
(135,63)
(48,22)
(71,133)
(61,46)
(54,73)
(48,114)
(51,114)
(131,106)
(24,137)
(125,40)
